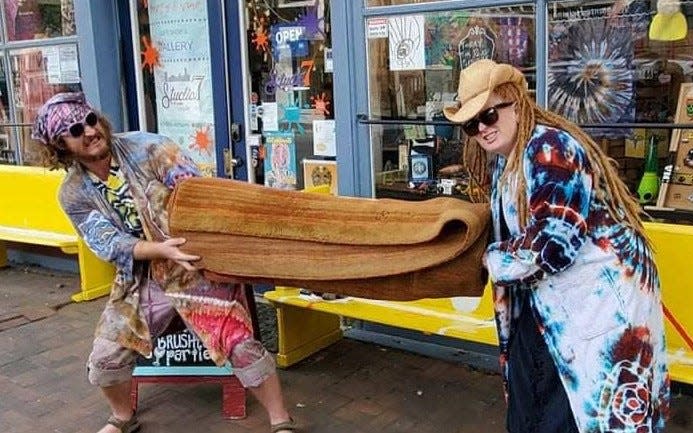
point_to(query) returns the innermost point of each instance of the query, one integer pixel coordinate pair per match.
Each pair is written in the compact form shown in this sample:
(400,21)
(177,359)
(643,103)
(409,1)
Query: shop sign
(288,82)
(477,45)
(289,41)
(185,109)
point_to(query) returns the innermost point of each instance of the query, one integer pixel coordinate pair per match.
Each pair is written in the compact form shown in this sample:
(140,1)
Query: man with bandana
(115,193)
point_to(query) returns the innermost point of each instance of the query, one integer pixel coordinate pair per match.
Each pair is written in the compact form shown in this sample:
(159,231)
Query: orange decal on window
(306,72)
(320,103)
(201,141)
(261,40)
(150,55)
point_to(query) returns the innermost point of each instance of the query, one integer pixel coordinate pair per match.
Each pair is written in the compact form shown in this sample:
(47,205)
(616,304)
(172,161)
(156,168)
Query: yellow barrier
(31,214)
(307,323)
(673,246)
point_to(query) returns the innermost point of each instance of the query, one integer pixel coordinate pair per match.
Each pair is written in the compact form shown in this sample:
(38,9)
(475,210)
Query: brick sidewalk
(350,387)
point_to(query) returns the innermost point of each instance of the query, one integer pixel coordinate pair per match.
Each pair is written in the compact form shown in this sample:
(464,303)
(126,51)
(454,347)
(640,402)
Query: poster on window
(406,39)
(479,43)
(62,65)
(324,138)
(280,160)
(443,32)
(185,111)
(591,71)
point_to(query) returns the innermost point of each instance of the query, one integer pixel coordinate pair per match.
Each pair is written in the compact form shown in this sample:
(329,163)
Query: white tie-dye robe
(594,287)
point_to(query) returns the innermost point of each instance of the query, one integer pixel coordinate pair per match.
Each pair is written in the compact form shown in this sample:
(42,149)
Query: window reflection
(7,154)
(38,74)
(414,62)
(605,68)
(291,109)
(39,19)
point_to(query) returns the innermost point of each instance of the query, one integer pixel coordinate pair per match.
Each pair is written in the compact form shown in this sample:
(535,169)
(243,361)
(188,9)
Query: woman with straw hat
(576,290)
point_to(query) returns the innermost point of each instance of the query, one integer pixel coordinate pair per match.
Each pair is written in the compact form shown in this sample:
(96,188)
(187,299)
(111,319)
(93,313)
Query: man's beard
(105,153)
(101,156)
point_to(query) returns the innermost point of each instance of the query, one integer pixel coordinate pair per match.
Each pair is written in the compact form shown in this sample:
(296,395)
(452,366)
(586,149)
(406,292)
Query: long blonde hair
(621,205)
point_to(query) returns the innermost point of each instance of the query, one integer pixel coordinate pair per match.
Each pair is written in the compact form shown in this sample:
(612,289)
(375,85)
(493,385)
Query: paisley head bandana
(58,114)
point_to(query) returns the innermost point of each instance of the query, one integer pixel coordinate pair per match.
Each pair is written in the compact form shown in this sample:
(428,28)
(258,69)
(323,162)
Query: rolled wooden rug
(372,248)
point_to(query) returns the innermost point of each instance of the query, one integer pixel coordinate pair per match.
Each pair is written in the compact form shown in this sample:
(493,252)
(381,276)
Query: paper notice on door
(376,28)
(406,40)
(62,66)
(324,139)
(270,116)
(329,65)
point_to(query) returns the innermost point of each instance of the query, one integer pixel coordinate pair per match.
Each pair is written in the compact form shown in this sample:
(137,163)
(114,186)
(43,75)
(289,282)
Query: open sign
(284,35)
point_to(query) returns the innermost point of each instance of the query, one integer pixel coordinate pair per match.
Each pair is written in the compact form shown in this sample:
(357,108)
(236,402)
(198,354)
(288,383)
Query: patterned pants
(110,364)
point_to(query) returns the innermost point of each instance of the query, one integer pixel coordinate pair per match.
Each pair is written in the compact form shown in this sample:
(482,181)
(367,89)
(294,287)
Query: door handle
(231,163)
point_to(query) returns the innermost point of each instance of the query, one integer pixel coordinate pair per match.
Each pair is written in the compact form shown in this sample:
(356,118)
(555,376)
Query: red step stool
(233,393)
(180,357)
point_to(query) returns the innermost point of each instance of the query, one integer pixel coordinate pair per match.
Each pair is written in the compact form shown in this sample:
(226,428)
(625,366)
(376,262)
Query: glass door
(181,84)
(288,103)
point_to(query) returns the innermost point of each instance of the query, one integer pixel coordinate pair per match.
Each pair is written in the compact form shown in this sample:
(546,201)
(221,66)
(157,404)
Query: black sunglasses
(77,129)
(488,117)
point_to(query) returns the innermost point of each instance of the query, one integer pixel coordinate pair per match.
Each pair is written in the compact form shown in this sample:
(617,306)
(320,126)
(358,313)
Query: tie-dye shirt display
(151,165)
(593,284)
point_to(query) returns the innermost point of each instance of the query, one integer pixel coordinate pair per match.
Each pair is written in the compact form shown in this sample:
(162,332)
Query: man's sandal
(289,425)
(129,426)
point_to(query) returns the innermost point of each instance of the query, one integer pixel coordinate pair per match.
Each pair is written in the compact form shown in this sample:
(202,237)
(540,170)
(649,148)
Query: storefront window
(291,124)
(38,68)
(414,63)
(39,19)
(615,62)
(38,74)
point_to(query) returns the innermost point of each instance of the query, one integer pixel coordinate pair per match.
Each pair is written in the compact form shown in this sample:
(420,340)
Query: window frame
(7,47)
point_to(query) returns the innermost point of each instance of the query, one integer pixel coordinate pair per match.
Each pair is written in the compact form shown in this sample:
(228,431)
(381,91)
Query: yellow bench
(307,323)
(30,213)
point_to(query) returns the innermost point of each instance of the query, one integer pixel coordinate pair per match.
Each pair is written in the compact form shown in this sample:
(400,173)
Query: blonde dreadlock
(621,206)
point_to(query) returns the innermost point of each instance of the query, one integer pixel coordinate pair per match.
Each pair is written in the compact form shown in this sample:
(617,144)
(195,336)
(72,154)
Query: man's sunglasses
(488,117)
(76,130)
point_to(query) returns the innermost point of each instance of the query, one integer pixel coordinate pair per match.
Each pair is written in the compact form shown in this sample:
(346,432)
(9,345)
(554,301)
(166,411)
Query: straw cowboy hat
(477,82)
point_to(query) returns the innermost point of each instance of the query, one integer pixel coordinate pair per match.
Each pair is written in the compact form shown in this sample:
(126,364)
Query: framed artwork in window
(420,168)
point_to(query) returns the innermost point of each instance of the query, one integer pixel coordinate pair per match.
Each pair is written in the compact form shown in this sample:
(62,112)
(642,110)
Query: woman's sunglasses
(76,130)
(488,117)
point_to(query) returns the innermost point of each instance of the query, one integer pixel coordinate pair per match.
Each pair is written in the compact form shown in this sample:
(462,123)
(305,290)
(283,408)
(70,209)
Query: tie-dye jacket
(594,288)
(152,165)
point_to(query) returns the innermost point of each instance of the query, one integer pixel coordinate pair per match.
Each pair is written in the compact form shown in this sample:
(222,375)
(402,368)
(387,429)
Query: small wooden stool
(233,393)
(179,369)
(180,357)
